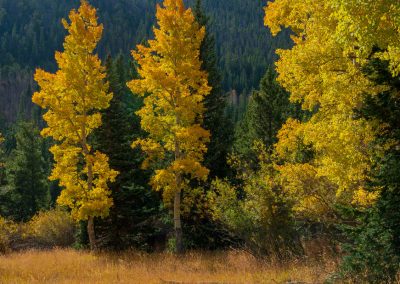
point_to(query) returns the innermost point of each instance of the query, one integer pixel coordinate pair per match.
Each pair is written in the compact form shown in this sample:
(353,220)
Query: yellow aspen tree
(73,97)
(173,87)
(333,39)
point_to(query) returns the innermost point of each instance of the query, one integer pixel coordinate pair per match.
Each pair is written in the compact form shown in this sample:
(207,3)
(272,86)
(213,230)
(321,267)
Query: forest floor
(70,266)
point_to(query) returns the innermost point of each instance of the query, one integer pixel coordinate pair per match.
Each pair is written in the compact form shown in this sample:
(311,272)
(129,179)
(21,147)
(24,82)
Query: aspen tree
(333,40)
(73,97)
(174,88)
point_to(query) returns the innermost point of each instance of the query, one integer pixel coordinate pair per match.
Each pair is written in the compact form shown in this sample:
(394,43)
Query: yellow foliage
(7,229)
(315,196)
(365,198)
(84,202)
(173,87)
(73,97)
(195,201)
(224,203)
(323,72)
(290,138)
(52,228)
(260,208)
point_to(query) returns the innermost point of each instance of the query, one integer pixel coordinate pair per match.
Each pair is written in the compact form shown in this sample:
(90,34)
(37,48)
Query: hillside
(31,30)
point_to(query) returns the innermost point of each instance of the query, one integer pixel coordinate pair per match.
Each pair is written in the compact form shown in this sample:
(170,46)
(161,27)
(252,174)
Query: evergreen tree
(26,174)
(220,127)
(4,196)
(374,244)
(134,203)
(267,110)
(2,161)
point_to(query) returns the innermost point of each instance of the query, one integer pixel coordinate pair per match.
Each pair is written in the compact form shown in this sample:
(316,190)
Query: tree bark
(90,226)
(91,234)
(179,249)
(178,224)
(86,152)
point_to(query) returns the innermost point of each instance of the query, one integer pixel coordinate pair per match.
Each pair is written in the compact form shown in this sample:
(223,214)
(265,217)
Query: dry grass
(69,266)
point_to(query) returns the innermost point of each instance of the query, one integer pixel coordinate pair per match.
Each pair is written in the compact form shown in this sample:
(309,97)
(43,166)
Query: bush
(54,228)
(258,211)
(7,230)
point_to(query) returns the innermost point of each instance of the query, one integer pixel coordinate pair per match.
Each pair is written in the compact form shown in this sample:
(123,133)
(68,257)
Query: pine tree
(4,198)
(133,202)
(2,161)
(73,97)
(267,110)
(220,127)
(26,174)
(373,250)
(6,204)
(174,88)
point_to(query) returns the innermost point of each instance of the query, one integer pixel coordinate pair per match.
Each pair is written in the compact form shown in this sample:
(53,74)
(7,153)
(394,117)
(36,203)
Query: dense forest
(30,31)
(122,131)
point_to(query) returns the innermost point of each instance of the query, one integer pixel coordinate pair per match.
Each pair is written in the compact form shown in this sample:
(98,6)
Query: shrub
(258,211)
(54,228)
(7,230)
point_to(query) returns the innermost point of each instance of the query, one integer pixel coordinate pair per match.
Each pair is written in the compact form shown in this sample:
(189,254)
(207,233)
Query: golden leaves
(84,31)
(72,97)
(174,88)
(333,39)
(84,199)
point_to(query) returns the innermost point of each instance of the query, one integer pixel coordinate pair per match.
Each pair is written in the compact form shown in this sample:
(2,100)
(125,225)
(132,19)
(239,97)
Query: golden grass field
(70,266)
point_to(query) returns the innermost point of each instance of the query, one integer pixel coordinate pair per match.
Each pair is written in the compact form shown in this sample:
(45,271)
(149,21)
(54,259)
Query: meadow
(71,266)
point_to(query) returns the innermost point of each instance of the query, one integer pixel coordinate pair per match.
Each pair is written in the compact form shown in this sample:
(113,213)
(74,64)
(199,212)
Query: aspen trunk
(90,226)
(177,201)
(86,152)
(177,223)
(91,234)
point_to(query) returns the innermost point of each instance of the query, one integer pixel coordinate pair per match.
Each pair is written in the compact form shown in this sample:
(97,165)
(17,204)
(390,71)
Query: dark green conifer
(28,186)
(215,119)
(134,202)
(267,110)
(373,247)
